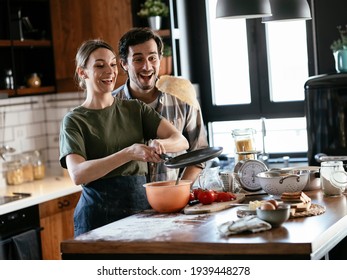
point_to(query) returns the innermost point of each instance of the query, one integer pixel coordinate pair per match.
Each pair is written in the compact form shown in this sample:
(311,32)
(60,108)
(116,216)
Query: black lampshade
(284,10)
(243,8)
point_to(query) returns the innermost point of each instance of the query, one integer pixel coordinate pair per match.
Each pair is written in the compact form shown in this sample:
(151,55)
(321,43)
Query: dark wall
(327,16)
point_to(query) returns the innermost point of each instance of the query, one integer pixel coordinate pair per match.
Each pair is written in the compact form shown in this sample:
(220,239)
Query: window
(257,71)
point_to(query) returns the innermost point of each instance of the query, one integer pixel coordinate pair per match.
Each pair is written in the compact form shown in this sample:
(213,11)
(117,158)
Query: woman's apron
(108,200)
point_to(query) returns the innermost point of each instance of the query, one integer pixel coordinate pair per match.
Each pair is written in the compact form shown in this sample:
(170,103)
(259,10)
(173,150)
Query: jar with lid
(244,143)
(14,172)
(333,178)
(28,168)
(38,164)
(34,81)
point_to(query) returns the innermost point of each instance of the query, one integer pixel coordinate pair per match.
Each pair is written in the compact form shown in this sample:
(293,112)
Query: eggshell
(267,206)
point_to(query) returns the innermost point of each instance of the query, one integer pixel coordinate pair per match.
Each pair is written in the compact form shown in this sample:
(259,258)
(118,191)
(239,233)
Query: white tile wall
(33,123)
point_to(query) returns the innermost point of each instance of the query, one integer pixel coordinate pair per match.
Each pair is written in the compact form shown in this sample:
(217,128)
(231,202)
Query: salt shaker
(9,84)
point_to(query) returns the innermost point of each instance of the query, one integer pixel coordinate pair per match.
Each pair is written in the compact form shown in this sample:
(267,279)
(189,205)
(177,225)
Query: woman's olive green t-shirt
(95,134)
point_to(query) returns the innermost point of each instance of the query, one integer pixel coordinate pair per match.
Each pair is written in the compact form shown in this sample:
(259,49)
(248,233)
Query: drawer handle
(64,203)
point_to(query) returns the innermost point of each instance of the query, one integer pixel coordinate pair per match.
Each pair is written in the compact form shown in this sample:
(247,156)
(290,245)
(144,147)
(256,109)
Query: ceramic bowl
(166,196)
(277,182)
(275,217)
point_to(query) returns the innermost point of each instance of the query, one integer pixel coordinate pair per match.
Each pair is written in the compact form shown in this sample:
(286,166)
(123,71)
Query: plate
(243,211)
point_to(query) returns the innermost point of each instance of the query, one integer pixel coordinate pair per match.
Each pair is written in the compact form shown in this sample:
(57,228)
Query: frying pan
(192,158)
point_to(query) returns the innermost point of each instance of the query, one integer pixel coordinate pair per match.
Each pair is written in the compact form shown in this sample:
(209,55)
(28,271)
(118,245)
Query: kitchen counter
(149,235)
(51,187)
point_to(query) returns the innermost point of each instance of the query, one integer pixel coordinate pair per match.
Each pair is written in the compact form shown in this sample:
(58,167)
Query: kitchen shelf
(26,46)
(38,90)
(27,91)
(25,43)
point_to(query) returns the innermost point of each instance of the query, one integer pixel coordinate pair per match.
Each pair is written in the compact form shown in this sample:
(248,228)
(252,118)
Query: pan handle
(323,157)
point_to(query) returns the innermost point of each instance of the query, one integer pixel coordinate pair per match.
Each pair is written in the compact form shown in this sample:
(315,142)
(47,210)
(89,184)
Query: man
(140,51)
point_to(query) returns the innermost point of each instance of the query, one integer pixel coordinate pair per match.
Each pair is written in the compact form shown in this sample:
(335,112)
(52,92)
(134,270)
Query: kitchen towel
(247,224)
(26,246)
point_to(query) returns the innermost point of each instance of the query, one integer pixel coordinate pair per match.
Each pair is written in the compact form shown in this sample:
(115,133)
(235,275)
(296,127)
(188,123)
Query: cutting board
(214,207)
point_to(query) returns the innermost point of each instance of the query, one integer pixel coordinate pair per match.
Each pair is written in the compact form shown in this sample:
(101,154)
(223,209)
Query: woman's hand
(157,146)
(146,153)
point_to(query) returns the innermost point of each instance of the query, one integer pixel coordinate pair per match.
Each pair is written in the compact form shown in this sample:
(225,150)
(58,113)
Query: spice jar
(14,172)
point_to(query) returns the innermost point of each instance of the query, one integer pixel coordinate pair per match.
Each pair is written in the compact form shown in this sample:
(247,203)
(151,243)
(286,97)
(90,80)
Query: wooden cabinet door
(56,219)
(74,21)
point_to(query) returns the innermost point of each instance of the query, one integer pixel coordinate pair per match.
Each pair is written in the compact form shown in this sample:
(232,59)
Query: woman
(101,142)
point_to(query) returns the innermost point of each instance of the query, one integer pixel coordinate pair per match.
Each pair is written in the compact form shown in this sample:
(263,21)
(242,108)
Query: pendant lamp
(285,10)
(243,8)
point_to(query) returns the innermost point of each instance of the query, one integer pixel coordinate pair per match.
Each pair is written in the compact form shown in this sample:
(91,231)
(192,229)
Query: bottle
(34,81)
(9,84)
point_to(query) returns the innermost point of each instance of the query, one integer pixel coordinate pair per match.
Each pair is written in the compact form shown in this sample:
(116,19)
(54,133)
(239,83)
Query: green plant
(153,8)
(340,43)
(167,51)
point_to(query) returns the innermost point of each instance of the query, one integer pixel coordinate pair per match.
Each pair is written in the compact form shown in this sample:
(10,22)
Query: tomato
(206,196)
(232,196)
(223,196)
(196,192)
(192,196)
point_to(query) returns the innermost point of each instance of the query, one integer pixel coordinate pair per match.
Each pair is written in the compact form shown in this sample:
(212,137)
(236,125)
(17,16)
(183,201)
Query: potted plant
(166,61)
(339,48)
(154,10)
(340,43)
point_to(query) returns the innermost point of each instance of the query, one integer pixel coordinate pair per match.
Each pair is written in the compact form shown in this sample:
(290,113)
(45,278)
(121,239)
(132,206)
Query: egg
(273,202)
(267,206)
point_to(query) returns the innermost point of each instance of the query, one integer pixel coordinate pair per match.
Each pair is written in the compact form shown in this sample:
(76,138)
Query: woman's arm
(84,171)
(169,139)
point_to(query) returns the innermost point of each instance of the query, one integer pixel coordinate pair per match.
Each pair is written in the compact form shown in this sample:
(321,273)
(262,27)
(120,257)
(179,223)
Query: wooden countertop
(51,187)
(153,235)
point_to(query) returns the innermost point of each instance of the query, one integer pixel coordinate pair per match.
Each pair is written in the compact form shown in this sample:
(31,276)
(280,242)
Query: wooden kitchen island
(150,235)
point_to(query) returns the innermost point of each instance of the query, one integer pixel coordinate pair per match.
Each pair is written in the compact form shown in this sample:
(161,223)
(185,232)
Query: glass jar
(14,172)
(28,169)
(333,178)
(244,143)
(34,159)
(39,166)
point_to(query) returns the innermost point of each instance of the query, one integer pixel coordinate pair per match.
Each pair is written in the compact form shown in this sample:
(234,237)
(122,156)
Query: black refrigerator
(326,115)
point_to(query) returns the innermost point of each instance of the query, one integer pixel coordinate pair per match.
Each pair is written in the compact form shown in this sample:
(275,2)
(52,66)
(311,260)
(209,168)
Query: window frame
(261,105)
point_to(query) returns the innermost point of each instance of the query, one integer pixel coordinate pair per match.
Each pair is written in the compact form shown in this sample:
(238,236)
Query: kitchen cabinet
(26,47)
(56,219)
(74,21)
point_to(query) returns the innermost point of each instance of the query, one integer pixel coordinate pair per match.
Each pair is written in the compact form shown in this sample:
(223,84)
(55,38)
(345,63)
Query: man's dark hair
(135,36)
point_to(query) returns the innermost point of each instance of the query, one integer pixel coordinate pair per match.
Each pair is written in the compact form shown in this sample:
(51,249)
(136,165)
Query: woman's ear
(124,65)
(82,73)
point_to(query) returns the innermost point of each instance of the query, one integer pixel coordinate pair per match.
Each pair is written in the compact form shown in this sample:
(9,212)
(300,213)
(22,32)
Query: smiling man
(140,51)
